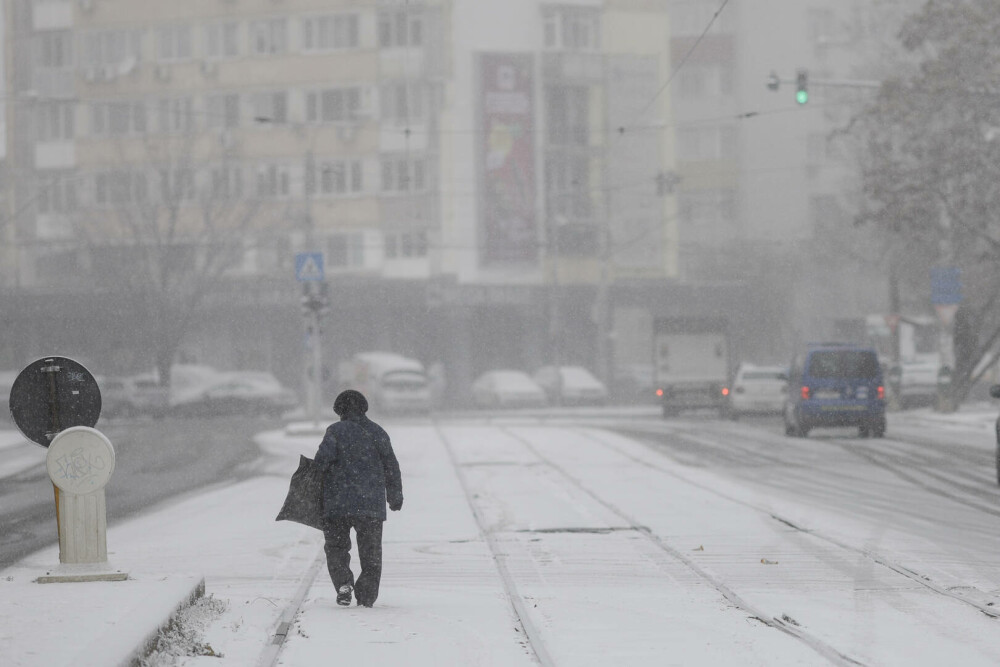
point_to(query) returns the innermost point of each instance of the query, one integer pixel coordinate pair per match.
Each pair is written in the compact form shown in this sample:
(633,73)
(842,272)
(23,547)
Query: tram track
(783,623)
(532,634)
(987,608)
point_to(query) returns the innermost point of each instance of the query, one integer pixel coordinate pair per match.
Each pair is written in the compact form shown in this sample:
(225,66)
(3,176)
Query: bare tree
(168,217)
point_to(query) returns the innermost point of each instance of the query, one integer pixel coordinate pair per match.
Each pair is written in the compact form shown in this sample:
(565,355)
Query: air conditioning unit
(209,67)
(163,73)
(90,74)
(109,73)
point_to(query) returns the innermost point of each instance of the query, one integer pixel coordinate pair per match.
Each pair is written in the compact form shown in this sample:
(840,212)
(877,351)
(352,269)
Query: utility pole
(315,306)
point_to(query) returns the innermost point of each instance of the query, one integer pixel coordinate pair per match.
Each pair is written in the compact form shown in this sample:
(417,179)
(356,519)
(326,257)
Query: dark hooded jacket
(360,469)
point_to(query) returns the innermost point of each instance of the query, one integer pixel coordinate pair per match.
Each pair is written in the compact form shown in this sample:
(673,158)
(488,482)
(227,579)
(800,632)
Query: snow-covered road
(579,541)
(875,551)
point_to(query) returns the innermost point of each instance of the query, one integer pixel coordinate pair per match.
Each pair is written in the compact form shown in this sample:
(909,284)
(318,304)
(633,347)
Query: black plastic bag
(304,502)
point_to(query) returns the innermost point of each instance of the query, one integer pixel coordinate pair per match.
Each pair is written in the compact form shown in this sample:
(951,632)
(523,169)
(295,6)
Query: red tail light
(805,393)
(659,392)
(725,391)
(881,393)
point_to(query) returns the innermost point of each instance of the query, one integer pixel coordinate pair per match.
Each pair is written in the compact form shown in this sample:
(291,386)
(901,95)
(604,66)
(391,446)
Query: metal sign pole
(317,367)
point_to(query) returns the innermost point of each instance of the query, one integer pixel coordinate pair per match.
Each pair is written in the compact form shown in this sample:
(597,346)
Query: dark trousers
(368,530)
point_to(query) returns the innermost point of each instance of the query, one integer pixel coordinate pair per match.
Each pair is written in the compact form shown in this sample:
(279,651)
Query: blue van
(833,384)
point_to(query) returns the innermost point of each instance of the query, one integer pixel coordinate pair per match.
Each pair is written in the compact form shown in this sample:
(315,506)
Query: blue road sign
(309,267)
(946,285)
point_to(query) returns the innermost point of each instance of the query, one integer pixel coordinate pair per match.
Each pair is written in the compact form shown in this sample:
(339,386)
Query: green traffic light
(802,96)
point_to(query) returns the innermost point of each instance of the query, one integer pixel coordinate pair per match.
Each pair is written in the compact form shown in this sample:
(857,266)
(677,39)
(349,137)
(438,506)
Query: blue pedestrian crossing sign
(309,267)
(946,285)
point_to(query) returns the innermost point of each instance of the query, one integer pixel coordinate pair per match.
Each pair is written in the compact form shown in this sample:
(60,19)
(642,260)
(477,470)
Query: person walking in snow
(360,473)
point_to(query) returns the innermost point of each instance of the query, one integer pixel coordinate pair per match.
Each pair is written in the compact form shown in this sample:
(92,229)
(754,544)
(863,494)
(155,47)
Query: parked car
(571,385)
(634,383)
(834,384)
(238,392)
(507,389)
(391,382)
(918,379)
(758,390)
(123,396)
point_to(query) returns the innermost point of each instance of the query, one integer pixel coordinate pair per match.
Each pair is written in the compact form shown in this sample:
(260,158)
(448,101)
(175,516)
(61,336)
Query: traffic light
(801,86)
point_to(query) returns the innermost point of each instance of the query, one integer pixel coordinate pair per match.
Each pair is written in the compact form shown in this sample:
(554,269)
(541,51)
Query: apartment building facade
(481,178)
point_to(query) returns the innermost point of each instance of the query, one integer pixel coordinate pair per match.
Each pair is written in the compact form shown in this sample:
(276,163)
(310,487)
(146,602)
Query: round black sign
(52,394)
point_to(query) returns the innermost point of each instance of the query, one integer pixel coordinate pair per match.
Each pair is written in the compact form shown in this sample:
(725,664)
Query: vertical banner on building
(508,220)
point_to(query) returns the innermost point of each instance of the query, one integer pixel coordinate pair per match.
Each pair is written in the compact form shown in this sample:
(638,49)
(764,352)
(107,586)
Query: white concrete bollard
(80,462)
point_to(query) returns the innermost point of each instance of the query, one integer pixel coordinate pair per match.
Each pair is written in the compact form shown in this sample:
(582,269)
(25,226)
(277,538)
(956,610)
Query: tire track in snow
(873,556)
(787,626)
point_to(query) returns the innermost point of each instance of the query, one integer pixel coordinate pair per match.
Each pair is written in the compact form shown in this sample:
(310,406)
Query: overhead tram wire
(680,65)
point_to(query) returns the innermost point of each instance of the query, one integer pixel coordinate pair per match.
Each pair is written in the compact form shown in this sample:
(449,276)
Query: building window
(54,121)
(328,33)
(345,250)
(406,245)
(271,107)
(120,186)
(273,181)
(117,119)
(333,105)
(403,174)
(54,48)
(268,37)
(567,187)
(223,111)
(227,182)
(400,28)
(221,40)
(691,82)
(571,28)
(336,177)
(175,114)
(176,185)
(110,47)
(567,111)
(402,102)
(173,42)
(57,193)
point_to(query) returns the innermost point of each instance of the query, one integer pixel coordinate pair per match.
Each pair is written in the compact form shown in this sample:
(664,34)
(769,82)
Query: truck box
(692,363)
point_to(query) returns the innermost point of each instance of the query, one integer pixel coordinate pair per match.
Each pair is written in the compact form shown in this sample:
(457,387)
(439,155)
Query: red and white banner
(508,218)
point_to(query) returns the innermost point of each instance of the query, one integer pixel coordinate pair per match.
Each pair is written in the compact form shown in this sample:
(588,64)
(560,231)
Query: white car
(237,392)
(758,390)
(571,385)
(507,389)
(918,384)
(391,382)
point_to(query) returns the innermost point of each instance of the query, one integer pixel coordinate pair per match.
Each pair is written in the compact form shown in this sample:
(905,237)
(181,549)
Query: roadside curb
(148,645)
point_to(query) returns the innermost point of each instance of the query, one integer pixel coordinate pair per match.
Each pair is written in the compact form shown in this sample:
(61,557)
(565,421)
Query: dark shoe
(344,595)
(365,604)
